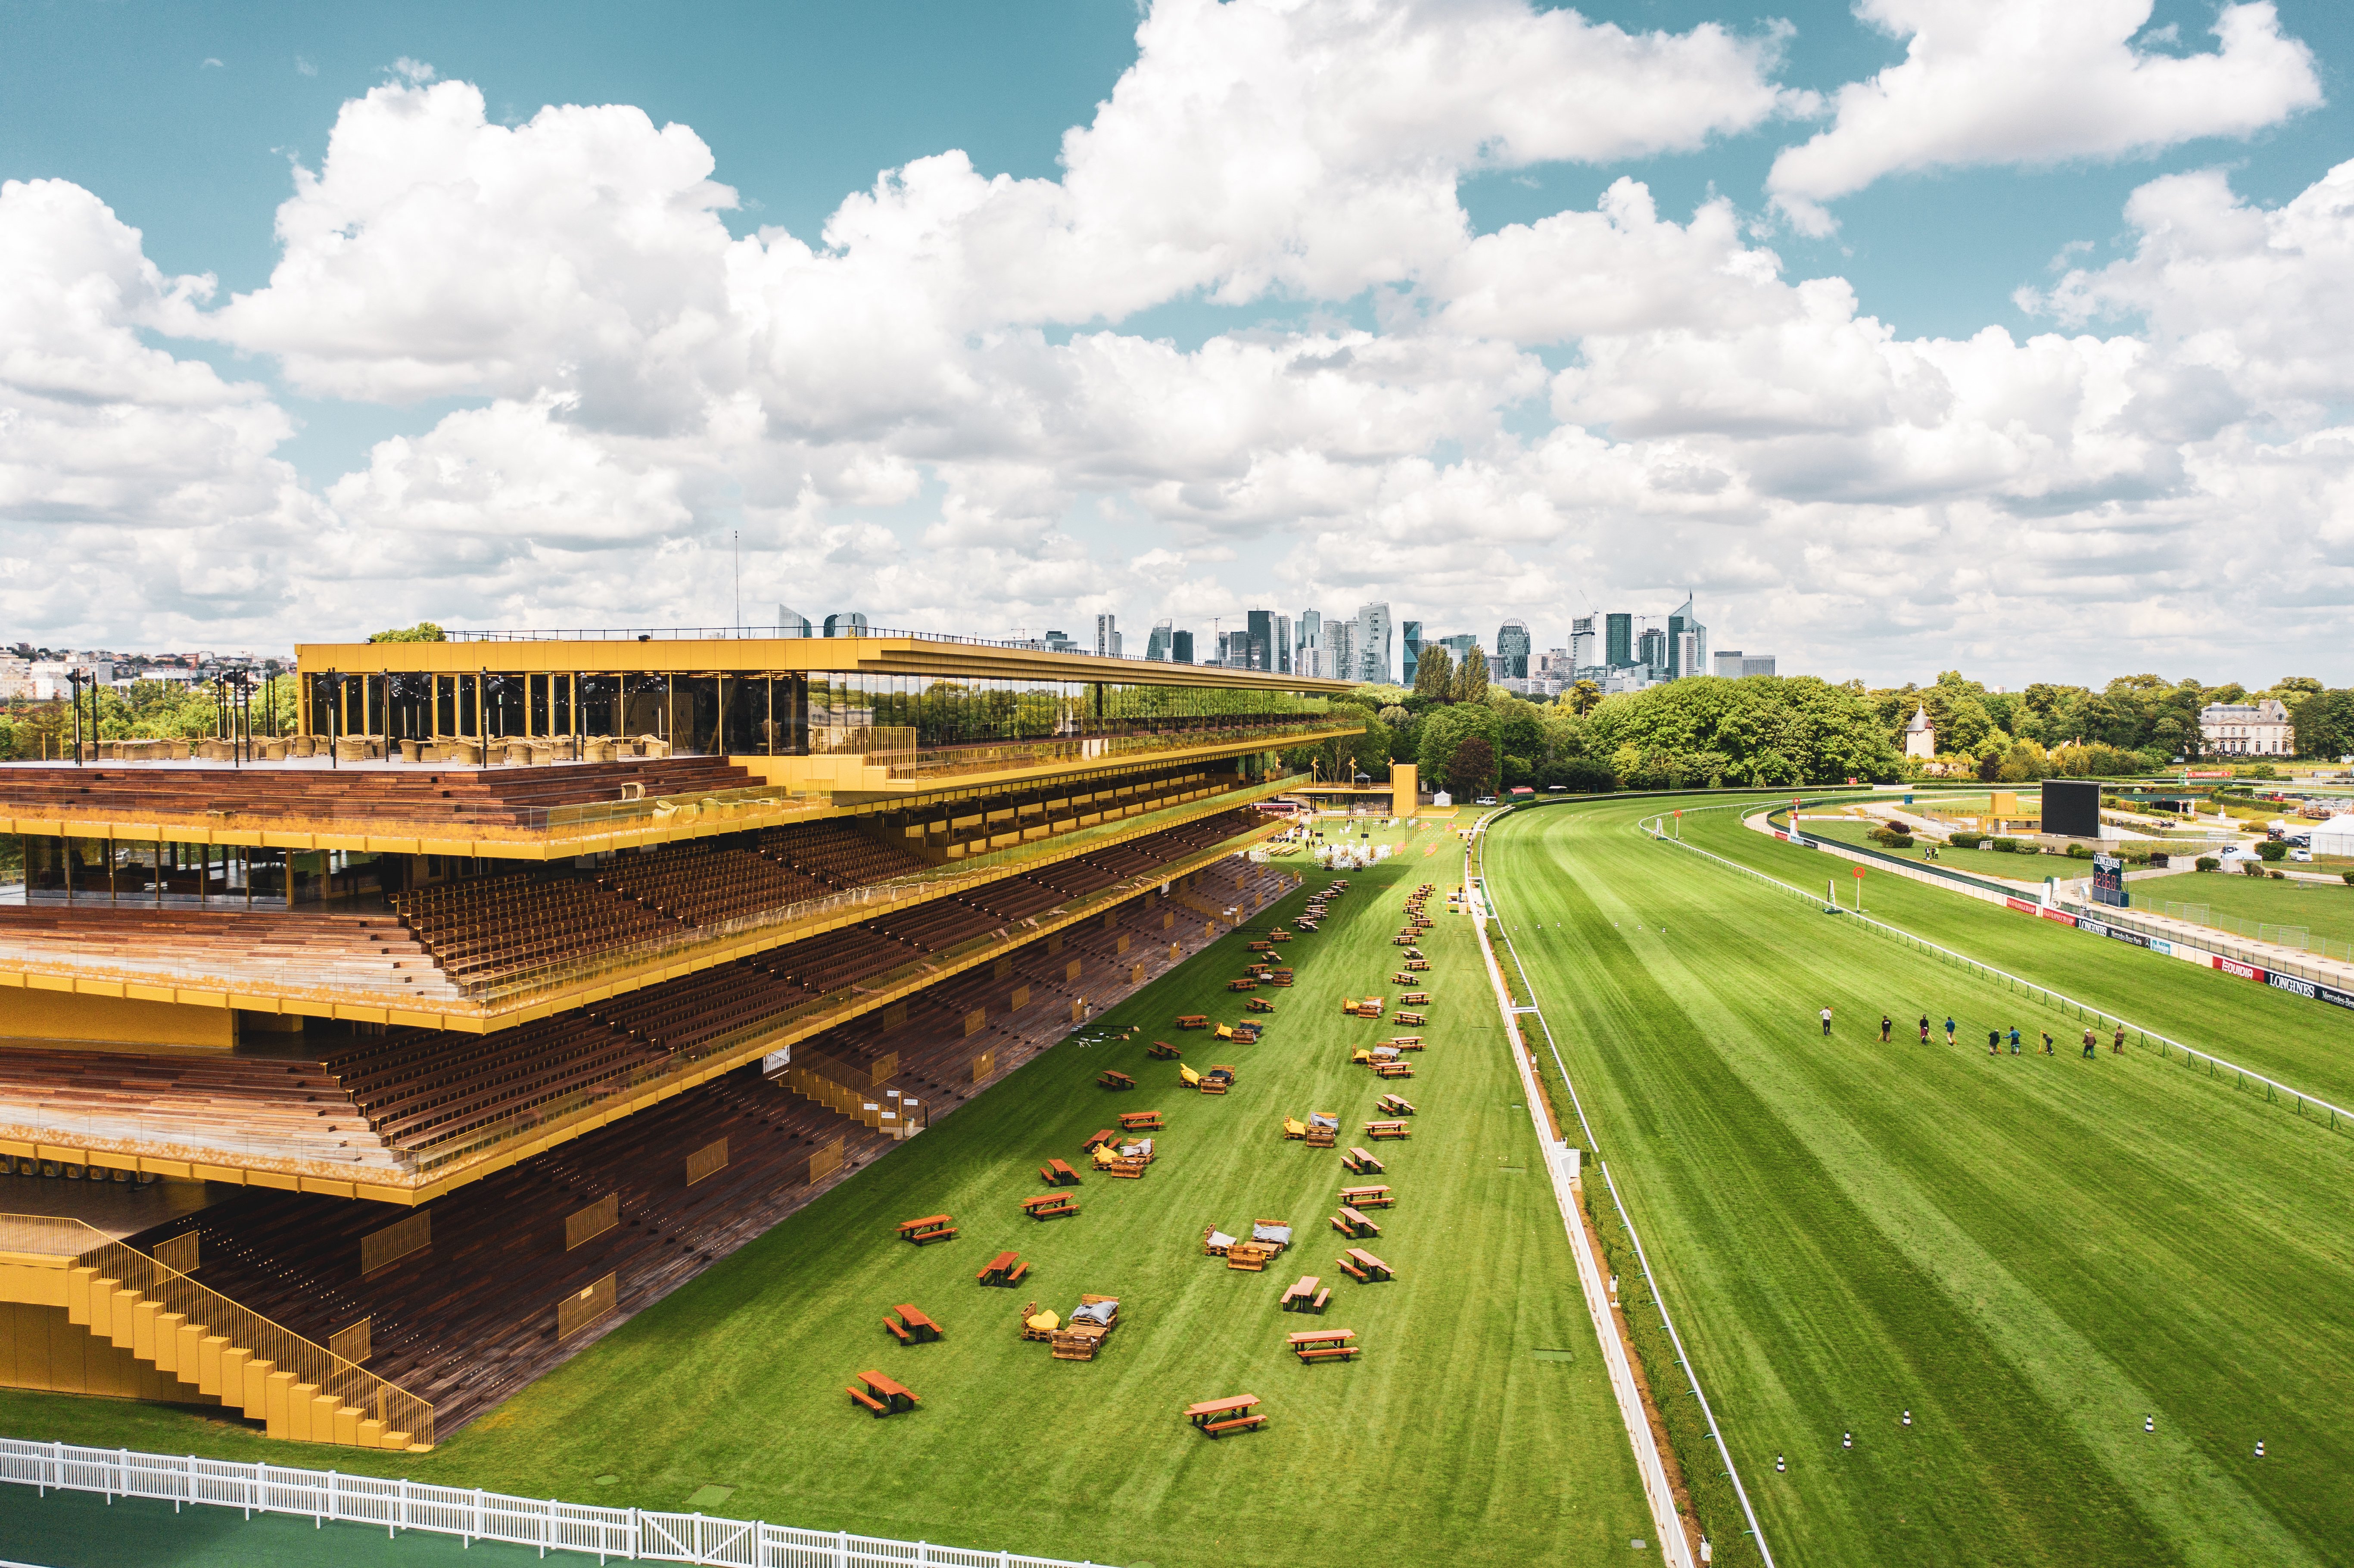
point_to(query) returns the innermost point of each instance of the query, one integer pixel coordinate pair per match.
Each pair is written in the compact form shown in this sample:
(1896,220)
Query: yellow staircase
(201,1339)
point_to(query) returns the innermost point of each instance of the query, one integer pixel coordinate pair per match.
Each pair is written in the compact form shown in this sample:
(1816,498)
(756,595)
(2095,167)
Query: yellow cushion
(1045,1323)
(1292,1124)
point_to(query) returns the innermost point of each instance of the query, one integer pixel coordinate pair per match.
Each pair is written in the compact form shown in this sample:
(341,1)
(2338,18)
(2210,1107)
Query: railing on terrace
(2271,961)
(754,805)
(949,761)
(242,1327)
(323,1496)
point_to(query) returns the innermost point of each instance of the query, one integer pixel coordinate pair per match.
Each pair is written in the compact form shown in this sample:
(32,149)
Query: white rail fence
(321,1496)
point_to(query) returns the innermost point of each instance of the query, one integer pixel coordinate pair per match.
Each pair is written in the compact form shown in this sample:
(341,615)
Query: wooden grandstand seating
(247,1105)
(371,956)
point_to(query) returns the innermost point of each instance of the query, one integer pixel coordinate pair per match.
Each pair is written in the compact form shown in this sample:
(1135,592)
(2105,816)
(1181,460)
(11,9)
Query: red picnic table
(1213,1417)
(913,1327)
(1324,1344)
(1305,1296)
(892,1395)
(931,1228)
(1005,1268)
(1364,1267)
(1059,1173)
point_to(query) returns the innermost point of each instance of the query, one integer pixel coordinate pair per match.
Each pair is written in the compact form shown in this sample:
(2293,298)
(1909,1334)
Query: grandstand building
(350,1079)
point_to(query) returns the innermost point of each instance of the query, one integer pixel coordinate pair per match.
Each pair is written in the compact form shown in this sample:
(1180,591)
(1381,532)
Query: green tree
(1471,676)
(1434,676)
(1472,771)
(1581,697)
(423,631)
(1445,729)
(1762,730)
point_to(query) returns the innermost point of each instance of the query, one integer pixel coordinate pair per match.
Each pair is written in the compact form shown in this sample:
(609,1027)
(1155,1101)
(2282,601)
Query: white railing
(320,1496)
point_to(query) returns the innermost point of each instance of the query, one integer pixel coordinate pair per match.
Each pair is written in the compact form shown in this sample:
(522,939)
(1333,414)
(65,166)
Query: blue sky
(188,123)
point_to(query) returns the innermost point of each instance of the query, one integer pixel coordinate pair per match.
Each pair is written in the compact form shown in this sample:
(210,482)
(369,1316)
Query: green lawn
(2325,909)
(2031,1255)
(2301,1043)
(1449,1437)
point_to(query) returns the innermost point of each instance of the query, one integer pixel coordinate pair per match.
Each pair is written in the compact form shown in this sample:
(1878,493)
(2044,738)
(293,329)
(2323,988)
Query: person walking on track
(1886,1023)
(1949,1029)
(2117,1046)
(1924,1029)
(1827,1023)
(2014,1039)
(1994,1042)
(2091,1043)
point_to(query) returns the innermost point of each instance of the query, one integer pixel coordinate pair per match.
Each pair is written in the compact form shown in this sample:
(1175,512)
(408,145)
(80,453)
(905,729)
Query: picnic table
(1415,999)
(1213,1417)
(1160,1049)
(1351,1224)
(1299,1296)
(1110,1079)
(1140,1121)
(1193,1021)
(931,1228)
(1392,1129)
(1405,1041)
(1364,1267)
(1363,1162)
(1005,1268)
(1050,1206)
(1392,1070)
(1059,1173)
(1412,1018)
(1324,1344)
(1367,1197)
(913,1327)
(882,1395)
(1398,1105)
(1100,1136)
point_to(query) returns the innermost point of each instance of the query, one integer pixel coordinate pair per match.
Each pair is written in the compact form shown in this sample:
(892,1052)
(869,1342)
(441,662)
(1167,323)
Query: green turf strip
(2304,1043)
(2030,1253)
(1449,1442)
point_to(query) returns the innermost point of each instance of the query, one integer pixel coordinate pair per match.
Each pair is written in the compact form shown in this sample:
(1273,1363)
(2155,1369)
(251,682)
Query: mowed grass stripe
(1447,1442)
(2304,1043)
(1822,1213)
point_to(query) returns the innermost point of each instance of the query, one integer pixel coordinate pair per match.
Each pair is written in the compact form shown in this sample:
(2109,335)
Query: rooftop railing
(765,633)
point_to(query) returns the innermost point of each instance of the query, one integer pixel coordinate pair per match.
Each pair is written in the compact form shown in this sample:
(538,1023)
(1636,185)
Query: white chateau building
(2246,729)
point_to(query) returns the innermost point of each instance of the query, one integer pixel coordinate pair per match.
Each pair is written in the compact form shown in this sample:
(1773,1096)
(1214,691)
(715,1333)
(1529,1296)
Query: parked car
(2301,854)
(1485,801)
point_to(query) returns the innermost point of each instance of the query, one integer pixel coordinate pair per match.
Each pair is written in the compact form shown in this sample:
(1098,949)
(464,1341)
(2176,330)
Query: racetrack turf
(2306,1044)
(1449,1442)
(2030,1253)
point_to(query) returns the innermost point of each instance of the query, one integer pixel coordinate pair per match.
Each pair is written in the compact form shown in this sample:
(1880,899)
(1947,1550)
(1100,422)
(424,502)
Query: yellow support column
(253,1385)
(277,1390)
(167,1342)
(300,1398)
(213,1374)
(143,1329)
(328,1421)
(78,1280)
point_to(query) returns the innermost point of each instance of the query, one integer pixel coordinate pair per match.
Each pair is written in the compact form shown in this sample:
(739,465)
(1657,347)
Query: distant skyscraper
(1372,640)
(1581,642)
(1341,650)
(1258,647)
(1107,636)
(1618,640)
(1181,648)
(1308,652)
(1283,645)
(1157,645)
(1458,647)
(791,622)
(1728,663)
(845,623)
(1652,649)
(1512,644)
(1757,664)
(1687,642)
(1410,640)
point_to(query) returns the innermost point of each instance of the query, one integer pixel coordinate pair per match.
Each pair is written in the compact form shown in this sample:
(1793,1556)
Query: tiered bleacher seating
(486,930)
(452,798)
(421,1089)
(837,854)
(705,885)
(370,956)
(261,1106)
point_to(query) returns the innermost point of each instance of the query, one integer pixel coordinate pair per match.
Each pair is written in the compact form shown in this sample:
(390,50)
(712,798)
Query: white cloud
(2031,83)
(932,412)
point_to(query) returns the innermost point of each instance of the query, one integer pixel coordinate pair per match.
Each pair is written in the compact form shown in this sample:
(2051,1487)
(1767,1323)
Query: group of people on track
(1994,1037)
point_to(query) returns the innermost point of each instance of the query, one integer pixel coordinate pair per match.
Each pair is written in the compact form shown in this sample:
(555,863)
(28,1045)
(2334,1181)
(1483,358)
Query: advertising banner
(2024,906)
(2060,914)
